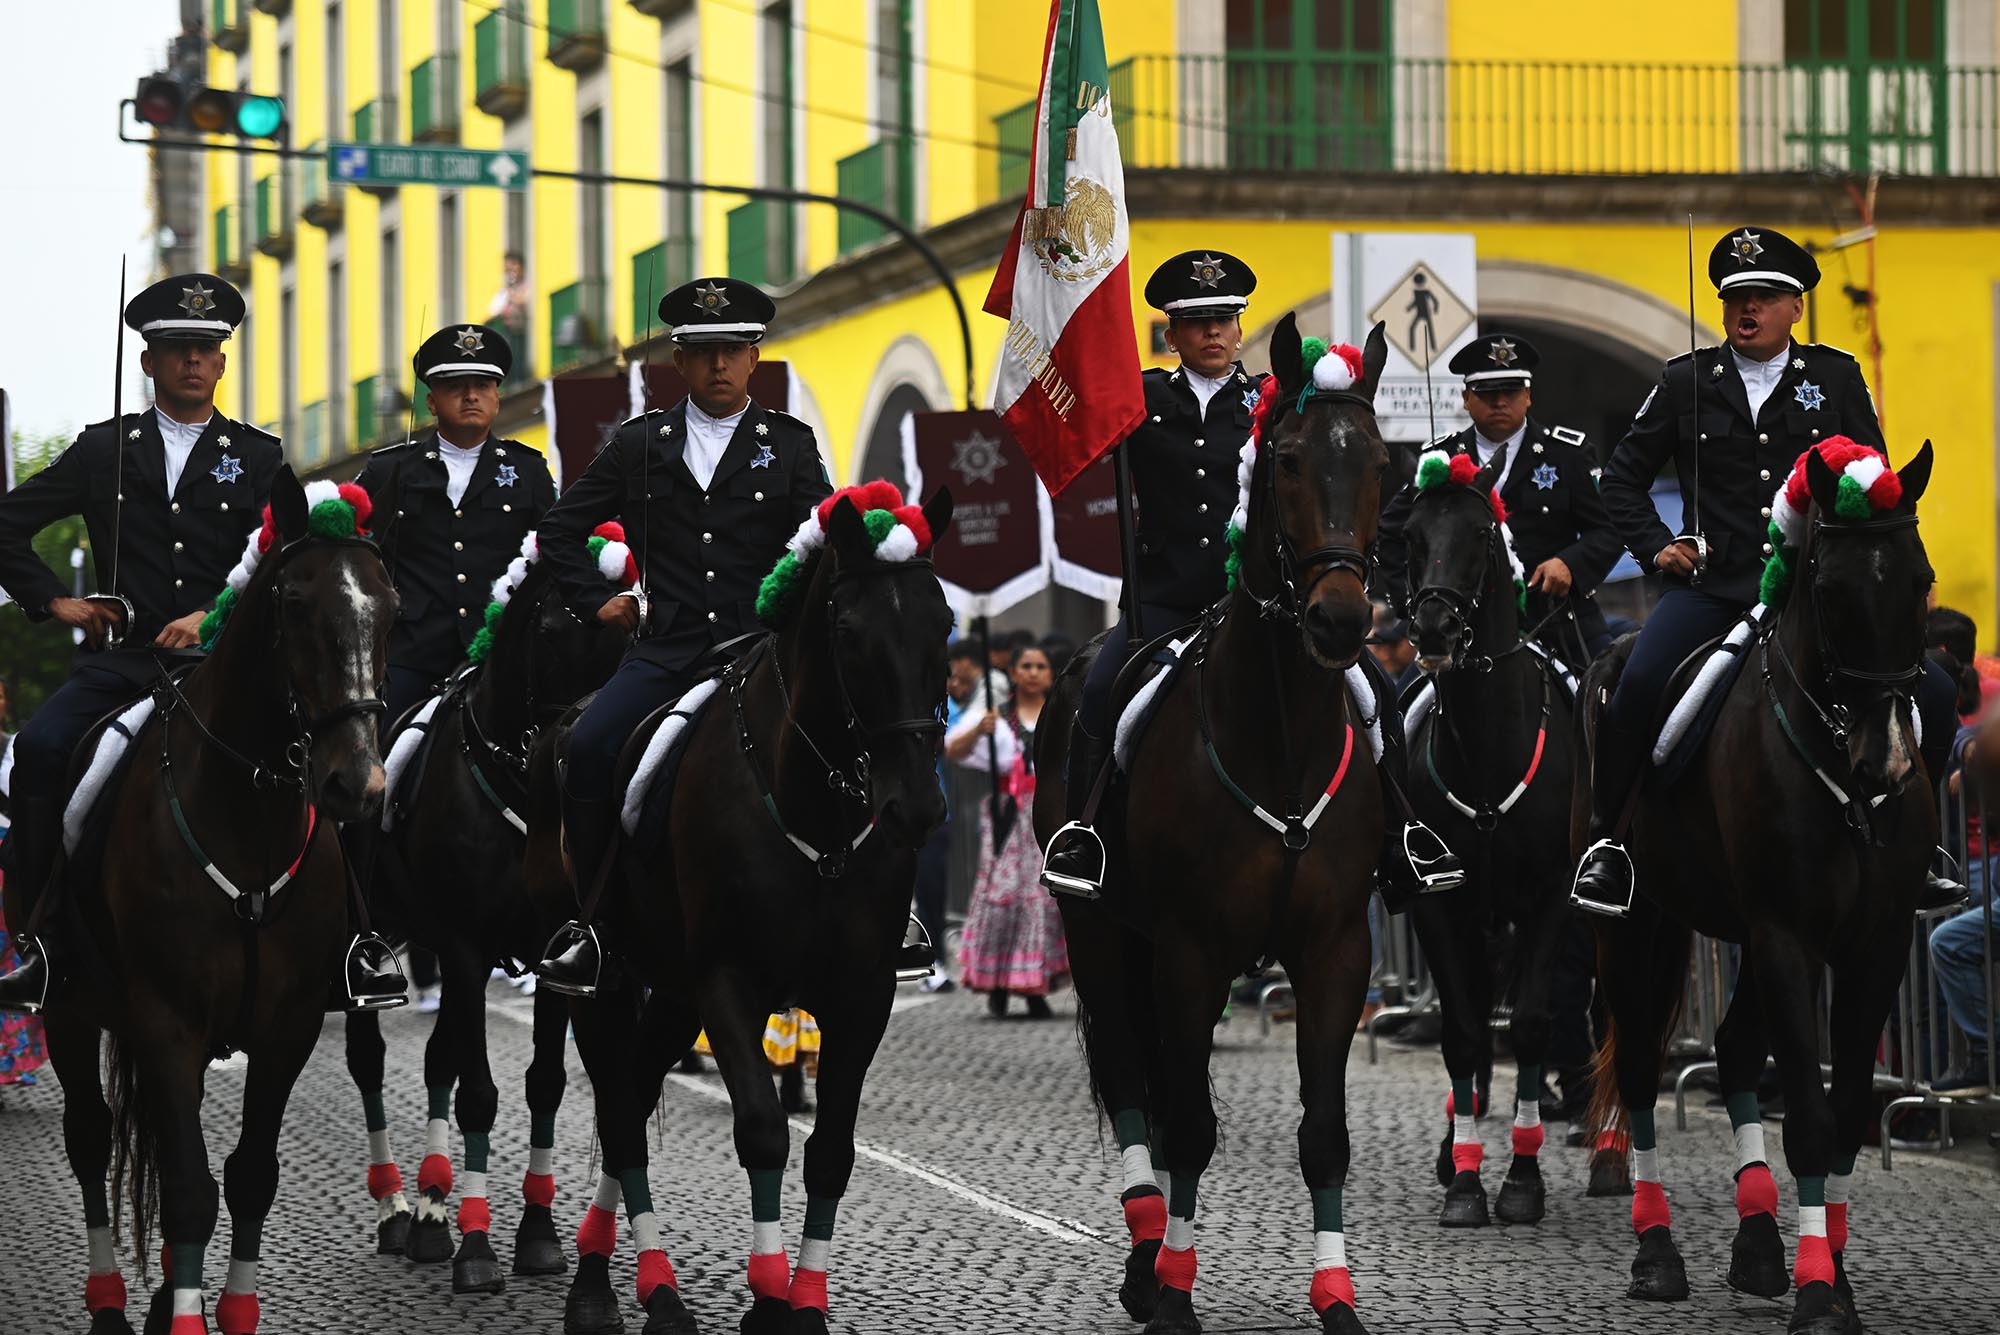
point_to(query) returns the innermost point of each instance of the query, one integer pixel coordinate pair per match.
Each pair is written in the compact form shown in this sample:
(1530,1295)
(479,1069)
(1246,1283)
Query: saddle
(650,760)
(1142,682)
(410,746)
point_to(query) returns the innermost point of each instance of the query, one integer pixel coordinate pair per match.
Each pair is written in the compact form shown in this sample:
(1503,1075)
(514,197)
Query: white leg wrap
(1180,1233)
(1812,1221)
(646,1232)
(378,1147)
(1464,1130)
(1646,1165)
(1750,1145)
(609,1193)
(1839,1188)
(437,1136)
(187,1302)
(542,1160)
(1136,1163)
(1329,1251)
(1527,1113)
(103,1258)
(471,1184)
(813,1252)
(242,1277)
(766,1237)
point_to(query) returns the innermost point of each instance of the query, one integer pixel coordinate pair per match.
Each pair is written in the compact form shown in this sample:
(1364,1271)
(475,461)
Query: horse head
(1867,582)
(875,616)
(1311,492)
(1461,564)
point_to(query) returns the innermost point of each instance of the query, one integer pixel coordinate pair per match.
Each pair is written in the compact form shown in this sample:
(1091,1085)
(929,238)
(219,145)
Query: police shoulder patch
(786,419)
(256,435)
(389,449)
(1568,435)
(1828,347)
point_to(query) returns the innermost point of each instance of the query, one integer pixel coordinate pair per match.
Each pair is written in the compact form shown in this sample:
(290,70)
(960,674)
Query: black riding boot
(573,960)
(1604,877)
(1074,862)
(31,845)
(369,977)
(916,958)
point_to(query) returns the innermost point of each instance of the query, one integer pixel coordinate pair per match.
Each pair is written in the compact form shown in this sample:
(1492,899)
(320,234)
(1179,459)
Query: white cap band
(1481,377)
(1214,303)
(462,368)
(219,328)
(1761,278)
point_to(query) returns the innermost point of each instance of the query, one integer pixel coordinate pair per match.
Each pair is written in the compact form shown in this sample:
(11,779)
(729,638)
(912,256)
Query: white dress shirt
(1204,388)
(179,439)
(1760,378)
(1506,450)
(707,438)
(458,465)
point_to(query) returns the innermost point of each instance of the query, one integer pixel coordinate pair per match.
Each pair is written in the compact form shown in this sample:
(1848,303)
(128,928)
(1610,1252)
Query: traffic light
(171,105)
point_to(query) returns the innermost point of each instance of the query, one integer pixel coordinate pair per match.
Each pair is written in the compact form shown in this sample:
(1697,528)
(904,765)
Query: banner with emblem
(582,412)
(1068,380)
(1083,533)
(993,555)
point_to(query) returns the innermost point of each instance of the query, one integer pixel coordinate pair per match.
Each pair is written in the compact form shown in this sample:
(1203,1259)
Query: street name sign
(423,164)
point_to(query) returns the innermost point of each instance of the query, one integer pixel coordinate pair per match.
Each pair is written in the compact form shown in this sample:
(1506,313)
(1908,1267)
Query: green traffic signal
(259,117)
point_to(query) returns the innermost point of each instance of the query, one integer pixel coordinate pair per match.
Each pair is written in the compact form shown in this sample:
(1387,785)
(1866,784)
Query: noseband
(1292,595)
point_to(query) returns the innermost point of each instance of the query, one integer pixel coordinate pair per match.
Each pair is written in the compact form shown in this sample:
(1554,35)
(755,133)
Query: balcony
(656,271)
(227,256)
(314,446)
(367,412)
(1344,112)
(377,123)
(881,175)
(663,9)
(322,201)
(434,100)
(277,9)
(500,64)
(229,26)
(274,215)
(761,245)
(577,328)
(576,34)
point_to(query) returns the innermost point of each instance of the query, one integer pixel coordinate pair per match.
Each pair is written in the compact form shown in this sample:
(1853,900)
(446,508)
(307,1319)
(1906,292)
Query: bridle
(1466,607)
(1287,602)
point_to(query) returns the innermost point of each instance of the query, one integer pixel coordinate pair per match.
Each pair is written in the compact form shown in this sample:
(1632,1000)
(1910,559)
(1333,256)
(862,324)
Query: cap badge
(1809,395)
(1745,246)
(227,469)
(197,301)
(1208,271)
(711,297)
(1502,353)
(507,476)
(470,340)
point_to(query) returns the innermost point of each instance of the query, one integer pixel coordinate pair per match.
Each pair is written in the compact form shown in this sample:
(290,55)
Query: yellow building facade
(1572,151)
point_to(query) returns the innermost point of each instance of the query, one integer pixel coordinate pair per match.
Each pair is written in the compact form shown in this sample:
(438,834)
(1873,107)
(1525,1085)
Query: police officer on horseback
(1560,527)
(464,499)
(169,497)
(1734,419)
(1183,460)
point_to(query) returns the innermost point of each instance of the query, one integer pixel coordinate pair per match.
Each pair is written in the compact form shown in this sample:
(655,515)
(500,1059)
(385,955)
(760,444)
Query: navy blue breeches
(639,686)
(43,749)
(1094,715)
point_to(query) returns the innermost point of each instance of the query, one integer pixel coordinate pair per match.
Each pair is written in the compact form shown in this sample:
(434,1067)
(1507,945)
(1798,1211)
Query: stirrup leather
(357,1001)
(1588,905)
(1063,883)
(567,937)
(35,1005)
(911,973)
(1435,865)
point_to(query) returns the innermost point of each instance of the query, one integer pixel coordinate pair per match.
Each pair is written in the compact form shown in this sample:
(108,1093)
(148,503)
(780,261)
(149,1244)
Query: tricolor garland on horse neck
(1327,368)
(1439,468)
(1868,486)
(334,511)
(607,547)
(900,533)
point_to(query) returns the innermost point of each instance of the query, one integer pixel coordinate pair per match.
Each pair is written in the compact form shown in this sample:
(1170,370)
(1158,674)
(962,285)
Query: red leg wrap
(1814,1263)
(384,1179)
(770,1275)
(654,1270)
(1451,1105)
(597,1235)
(1618,1141)
(475,1215)
(1146,1217)
(1330,1286)
(1649,1207)
(236,1314)
(100,1291)
(1836,1228)
(435,1174)
(1756,1191)
(188,1325)
(1175,1269)
(1528,1141)
(539,1189)
(1466,1156)
(808,1288)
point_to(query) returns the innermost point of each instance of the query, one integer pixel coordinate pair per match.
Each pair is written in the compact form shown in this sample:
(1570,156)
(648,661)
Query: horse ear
(937,513)
(847,533)
(1915,476)
(1286,362)
(1488,477)
(288,504)
(1374,356)
(1822,482)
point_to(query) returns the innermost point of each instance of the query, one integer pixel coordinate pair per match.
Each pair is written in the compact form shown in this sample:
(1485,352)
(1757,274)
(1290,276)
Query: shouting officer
(1734,419)
(169,496)
(464,501)
(1548,480)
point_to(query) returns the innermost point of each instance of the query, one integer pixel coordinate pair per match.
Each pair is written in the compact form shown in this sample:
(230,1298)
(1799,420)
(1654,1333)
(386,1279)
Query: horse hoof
(1139,1294)
(1446,1168)
(808,1321)
(1523,1199)
(476,1269)
(429,1243)
(1175,1314)
(1757,1258)
(1339,1319)
(537,1249)
(392,1235)
(1465,1203)
(1658,1273)
(767,1316)
(1610,1176)
(109,1321)
(1841,1285)
(592,1308)
(160,1312)
(1820,1310)
(666,1314)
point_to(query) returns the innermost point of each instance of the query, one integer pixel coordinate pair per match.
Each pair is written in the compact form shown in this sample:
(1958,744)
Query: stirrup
(373,1001)
(1065,883)
(40,953)
(1599,906)
(911,973)
(1436,866)
(567,938)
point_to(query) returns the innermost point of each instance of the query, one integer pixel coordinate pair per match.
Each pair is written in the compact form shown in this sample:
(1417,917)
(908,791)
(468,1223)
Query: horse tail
(135,1161)
(1667,957)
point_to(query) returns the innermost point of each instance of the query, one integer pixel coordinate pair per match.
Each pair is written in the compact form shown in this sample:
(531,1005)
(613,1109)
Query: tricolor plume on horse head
(1849,482)
(333,511)
(1440,472)
(865,523)
(607,547)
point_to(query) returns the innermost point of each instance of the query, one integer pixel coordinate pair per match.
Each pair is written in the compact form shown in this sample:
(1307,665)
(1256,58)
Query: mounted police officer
(464,502)
(1561,530)
(1183,461)
(193,485)
(1734,420)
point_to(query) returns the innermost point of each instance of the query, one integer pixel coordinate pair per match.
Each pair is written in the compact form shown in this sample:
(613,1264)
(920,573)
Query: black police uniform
(444,556)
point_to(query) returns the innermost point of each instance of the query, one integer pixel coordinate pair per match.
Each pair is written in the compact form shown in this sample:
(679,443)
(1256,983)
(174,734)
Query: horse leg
(606,1031)
(852,1028)
(667,1028)
(1523,1199)
(430,1235)
(537,1249)
(1861,998)
(1757,1256)
(73,1050)
(250,1174)
(170,1066)
(462,1025)
(1454,940)
(365,1051)
(1190,991)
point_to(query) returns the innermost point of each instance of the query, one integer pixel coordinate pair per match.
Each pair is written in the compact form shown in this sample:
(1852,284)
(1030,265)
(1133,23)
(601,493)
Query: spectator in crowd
(1959,946)
(508,311)
(21,1047)
(1013,940)
(1392,648)
(1953,639)
(934,859)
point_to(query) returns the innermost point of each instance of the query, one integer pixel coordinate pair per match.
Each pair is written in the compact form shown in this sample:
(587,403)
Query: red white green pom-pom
(333,511)
(1441,468)
(900,533)
(607,547)
(1867,485)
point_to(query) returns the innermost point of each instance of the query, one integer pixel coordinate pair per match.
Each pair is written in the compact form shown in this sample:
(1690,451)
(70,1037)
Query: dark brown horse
(449,876)
(805,788)
(1206,879)
(1802,833)
(216,912)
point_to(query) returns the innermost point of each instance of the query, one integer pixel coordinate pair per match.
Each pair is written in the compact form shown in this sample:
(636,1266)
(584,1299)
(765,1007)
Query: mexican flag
(1069,370)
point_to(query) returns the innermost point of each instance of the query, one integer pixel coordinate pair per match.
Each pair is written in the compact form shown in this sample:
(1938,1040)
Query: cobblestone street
(984,1202)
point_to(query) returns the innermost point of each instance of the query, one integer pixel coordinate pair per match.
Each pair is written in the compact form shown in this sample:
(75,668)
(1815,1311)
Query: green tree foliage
(35,656)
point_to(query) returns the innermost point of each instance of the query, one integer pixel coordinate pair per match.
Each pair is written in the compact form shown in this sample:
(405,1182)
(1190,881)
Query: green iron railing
(574,21)
(367,421)
(375,122)
(313,443)
(225,250)
(229,25)
(880,175)
(761,242)
(657,270)
(576,323)
(500,63)
(434,98)
(274,211)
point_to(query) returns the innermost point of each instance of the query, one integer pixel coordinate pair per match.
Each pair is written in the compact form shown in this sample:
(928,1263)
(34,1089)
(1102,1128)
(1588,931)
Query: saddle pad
(105,762)
(1692,715)
(662,752)
(1361,690)
(410,739)
(1138,711)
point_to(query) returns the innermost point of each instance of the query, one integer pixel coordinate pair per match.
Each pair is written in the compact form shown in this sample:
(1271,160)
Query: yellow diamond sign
(1421,316)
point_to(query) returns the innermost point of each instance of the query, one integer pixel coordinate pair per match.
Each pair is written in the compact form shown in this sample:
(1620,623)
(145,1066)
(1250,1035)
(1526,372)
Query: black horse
(449,876)
(216,909)
(1260,722)
(805,788)
(1802,832)
(1490,771)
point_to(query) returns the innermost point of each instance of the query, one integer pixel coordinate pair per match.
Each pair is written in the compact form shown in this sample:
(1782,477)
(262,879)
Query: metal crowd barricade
(1403,971)
(1711,980)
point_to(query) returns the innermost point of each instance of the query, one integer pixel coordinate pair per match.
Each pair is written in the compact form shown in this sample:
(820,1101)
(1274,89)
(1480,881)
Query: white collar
(1213,384)
(173,426)
(463,449)
(1751,366)
(697,418)
(1500,445)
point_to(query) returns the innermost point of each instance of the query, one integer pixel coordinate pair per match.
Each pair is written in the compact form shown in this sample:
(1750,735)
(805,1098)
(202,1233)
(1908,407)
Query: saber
(1694,535)
(114,635)
(1430,401)
(639,591)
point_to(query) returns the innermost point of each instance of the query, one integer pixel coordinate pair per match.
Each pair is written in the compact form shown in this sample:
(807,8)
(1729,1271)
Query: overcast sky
(72,199)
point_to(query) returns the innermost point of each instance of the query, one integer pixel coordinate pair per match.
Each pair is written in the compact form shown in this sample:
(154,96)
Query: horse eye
(1289,463)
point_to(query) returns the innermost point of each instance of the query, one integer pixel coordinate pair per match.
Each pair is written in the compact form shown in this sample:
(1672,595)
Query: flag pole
(1128,550)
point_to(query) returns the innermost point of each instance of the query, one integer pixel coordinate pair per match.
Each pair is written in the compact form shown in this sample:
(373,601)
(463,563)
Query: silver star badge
(223,441)
(1502,353)
(666,428)
(470,340)
(712,297)
(1538,447)
(1746,246)
(1207,271)
(762,429)
(197,300)
(133,434)
(1798,363)
(1715,371)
